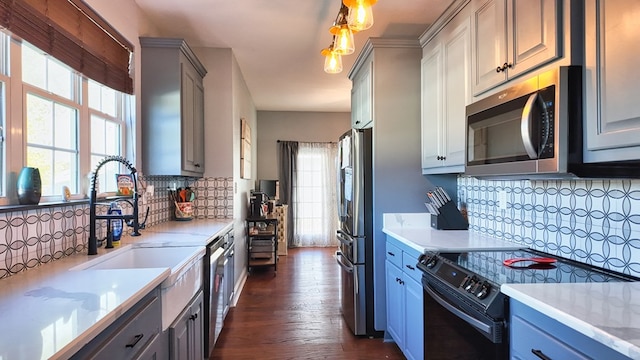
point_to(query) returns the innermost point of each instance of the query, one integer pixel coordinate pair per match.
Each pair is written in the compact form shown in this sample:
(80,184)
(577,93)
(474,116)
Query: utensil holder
(449,218)
(184,211)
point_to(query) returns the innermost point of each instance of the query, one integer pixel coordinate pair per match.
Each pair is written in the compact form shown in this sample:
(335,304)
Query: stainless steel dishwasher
(213,286)
(229,275)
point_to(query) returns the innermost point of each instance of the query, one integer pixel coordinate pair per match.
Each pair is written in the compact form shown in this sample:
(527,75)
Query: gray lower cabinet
(186,341)
(533,335)
(405,302)
(133,336)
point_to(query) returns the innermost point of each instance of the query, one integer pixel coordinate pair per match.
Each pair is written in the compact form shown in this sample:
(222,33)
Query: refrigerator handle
(341,262)
(344,238)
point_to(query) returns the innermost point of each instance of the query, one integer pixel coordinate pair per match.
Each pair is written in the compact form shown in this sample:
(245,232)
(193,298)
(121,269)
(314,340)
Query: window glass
(44,72)
(105,141)
(52,143)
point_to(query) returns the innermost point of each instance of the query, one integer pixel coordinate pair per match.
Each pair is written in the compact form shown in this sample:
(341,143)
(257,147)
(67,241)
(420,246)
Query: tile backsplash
(592,221)
(34,237)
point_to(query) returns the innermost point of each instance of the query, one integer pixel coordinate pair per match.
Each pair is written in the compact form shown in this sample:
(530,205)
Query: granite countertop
(605,312)
(414,230)
(50,312)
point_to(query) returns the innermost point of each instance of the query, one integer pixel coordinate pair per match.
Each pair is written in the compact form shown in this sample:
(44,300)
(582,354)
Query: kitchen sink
(184,281)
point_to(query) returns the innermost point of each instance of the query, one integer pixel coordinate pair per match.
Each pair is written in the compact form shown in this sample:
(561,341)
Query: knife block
(449,218)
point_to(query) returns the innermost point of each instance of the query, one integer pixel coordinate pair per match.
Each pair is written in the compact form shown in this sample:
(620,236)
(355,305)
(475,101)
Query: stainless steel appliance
(355,233)
(534,130)
(524,129)
(467,313)
(213,292)
(229,273)
(257,200)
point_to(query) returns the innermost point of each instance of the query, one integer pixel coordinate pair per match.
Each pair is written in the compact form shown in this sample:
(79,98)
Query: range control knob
(431,262)
(471,284)
(485,289)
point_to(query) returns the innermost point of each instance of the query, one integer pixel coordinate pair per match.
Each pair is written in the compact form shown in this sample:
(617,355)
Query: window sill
(12,208)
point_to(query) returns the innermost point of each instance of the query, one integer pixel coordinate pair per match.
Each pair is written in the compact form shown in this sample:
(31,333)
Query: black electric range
(466,286)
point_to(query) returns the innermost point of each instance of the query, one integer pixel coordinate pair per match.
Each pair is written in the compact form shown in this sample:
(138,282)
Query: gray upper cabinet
(172,100)
(612,111)
(361,116)
(446,91)
(512,37)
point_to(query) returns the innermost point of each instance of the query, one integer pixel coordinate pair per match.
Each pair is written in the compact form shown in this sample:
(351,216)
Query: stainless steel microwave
(523,131)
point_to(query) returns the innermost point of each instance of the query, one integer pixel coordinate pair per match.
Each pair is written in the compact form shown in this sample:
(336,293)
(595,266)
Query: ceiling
(277,43)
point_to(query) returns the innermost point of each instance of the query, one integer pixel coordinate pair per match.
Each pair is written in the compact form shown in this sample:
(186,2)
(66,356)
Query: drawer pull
(135,340)
(540,354)
(390,253)
(410,267)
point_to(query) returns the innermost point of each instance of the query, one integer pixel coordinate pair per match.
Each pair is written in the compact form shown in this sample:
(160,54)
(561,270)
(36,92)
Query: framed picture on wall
(245,149)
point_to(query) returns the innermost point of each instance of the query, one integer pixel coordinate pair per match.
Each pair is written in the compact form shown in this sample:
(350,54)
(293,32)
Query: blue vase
(29,186)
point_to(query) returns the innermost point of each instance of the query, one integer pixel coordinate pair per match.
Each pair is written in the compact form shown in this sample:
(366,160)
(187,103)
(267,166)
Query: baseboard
(238,288)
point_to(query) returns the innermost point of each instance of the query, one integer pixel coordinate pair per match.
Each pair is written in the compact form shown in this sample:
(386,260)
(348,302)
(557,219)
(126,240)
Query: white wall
(294,126)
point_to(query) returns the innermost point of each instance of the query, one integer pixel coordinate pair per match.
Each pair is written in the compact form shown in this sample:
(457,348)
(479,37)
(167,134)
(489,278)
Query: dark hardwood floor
(295,315)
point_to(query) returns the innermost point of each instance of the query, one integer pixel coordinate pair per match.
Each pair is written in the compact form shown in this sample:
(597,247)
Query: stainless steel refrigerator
(355,232)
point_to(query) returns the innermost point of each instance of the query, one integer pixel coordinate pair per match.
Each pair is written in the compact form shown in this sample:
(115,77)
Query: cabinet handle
(410,267)
(196,165)
(134,341)
(193,317)
(540,354)
(390,253)
(504,67)
(398,280)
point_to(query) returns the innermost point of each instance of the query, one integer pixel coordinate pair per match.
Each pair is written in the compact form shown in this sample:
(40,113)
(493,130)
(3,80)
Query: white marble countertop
(50,312)
(606,312)
(414,230)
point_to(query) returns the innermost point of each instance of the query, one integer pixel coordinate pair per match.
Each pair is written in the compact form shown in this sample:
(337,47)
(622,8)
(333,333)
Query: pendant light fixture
(332,59)
(343,43)
(360,14)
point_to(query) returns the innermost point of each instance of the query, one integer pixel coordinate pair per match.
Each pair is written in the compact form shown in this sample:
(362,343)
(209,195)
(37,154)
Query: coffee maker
(257,201)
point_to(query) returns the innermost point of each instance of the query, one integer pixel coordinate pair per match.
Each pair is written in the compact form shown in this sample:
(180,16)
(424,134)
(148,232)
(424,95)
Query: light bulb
(344,41)
(360,14)
(332,61)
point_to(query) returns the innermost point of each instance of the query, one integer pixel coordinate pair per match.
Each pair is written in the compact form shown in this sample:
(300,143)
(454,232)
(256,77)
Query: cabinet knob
(193,317)
(499,69)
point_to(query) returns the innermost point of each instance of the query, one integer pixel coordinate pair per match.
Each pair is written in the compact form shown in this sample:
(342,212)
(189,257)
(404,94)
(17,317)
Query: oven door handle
(461,314)
(525,126)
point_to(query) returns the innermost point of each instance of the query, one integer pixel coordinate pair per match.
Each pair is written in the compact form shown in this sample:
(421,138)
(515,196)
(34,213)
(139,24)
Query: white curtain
(315,215)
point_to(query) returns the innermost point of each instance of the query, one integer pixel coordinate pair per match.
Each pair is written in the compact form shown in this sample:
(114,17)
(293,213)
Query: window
(69,123)
(4,65)
(106,109)
(52,143)
(315,216)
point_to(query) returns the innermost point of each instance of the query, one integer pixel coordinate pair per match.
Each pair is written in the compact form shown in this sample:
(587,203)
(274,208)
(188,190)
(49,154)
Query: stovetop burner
(489,265)
(471,280)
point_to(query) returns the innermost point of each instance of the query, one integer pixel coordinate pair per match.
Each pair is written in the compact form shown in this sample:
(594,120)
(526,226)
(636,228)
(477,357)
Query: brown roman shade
(73,33)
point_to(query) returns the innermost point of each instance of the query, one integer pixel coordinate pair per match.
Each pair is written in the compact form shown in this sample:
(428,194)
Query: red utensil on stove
(539,260)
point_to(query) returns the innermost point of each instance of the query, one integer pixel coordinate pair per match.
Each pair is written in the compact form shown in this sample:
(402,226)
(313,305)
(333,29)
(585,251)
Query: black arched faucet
(131,220)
